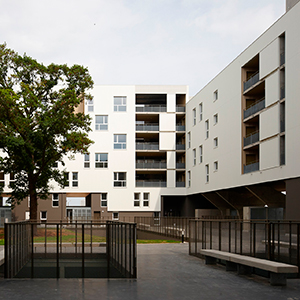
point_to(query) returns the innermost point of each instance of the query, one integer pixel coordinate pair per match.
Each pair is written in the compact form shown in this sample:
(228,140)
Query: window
(207,129)
(216,95)
(119,179)
(216,166)
(194,116)
(200,112)
(90,105)
(146,199)
(101,160)
(189,139)
(119,141)
(136,201)
(66,174)
(207,173)
(215,119)
(5,201)
(43,215)
(101,123)
(11,179)
(115,216)
(120,103)
(194,157)
(189,178)
(55,200)
(216,142)
(103,200)
(200,154)
(2,179)
(87,160)
(75,179)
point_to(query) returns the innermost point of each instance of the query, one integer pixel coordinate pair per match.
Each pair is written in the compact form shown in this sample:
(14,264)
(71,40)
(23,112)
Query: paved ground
(165,271)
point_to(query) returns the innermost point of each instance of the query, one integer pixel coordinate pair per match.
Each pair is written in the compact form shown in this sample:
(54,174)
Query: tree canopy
(39,123)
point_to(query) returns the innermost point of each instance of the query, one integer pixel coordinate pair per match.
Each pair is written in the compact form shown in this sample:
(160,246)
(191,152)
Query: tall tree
(39,124)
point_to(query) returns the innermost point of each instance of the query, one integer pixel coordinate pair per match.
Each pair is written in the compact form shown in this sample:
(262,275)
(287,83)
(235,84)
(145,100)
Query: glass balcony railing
(251,138)
(252,167)
(251,81)
(180,108)
(147,127)
(146,146)
(253,109)
(180,165)
(150,108)
(149,183)
(180,146)
(180,184)
(180,127)
(150,165)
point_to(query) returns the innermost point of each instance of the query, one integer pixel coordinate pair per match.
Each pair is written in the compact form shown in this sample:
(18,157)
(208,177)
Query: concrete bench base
(244,265)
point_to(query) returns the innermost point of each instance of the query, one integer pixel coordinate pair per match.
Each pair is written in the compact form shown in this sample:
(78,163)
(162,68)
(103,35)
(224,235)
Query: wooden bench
(245,264)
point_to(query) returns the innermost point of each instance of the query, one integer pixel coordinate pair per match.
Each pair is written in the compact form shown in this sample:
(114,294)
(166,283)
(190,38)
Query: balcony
(251,138)
(251,81)
(180,108)
(180,183)
(146,146)
(146,183)
(147,127)
(252,167)
(254,108)
(180,165)
(180,146)
(150,165)
(180,127)
(151,108)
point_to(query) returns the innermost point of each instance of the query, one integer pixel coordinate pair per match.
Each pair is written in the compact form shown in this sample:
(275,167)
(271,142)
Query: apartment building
(231,150)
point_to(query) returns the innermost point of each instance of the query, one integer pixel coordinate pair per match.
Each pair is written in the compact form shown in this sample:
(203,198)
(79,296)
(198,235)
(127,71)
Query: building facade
(229,149)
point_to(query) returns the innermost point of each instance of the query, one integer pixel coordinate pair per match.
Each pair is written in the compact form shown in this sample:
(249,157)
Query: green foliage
(38,120)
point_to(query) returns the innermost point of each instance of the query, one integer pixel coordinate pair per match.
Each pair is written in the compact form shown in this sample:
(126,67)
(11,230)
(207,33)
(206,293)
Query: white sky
(138,41)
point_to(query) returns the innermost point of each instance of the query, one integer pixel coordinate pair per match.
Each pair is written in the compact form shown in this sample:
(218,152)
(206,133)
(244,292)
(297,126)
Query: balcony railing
(151,165)
(282,92)
(149,183)
(151,108)
(180,108)
(254,108)
(180,146)
(251,138)
(180,165)
(180,127)
(252,167)
(146,146)
(147,127)
(282,58)
(180,183)
(251,81)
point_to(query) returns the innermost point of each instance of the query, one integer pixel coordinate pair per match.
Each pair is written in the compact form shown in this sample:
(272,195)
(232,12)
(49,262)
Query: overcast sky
(138,41)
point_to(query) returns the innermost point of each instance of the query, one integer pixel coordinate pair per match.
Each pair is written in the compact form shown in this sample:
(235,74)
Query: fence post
(32,248)
(82,252)
(57,250)
(6,255)
(108,248)
(134,252)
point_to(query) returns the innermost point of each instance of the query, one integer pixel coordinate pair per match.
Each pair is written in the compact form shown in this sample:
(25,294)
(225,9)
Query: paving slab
(165,271)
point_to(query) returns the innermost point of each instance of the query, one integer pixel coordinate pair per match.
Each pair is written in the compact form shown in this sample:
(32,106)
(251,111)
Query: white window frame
(216,166)
(189,139)
(67,176)
(216,142)
(90,105)
(121,106)
(216,119)
(75,179)
(101,160)
(55,200)
(101,122)
(119,182)
(189,178)
(200,112)
(194,116)
(216,95)
(136,201)
(41,214)
(207,173)
(207,129)
(120,145)
(146,199)
(115,215)
(194,157)
(103,199)
(86,158)
(200,154)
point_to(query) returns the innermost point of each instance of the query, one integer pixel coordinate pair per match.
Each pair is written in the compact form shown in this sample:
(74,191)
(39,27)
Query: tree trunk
(33,206)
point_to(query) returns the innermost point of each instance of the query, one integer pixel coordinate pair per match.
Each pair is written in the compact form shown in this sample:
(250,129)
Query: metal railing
(180,108)
(146,146)
(180,127)
(66,249)
(151,165)
(147,127)
(151,108)
(251,138)
(121,248)
(251,81)
(150,183)
(180,165)
(254,108)
(173,227)
(252,167)
(272,240)
(180,146)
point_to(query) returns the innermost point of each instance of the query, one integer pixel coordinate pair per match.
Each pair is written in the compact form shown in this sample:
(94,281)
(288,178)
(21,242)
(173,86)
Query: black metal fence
(174,227)
(273,240)
(61,249)
(121,248)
